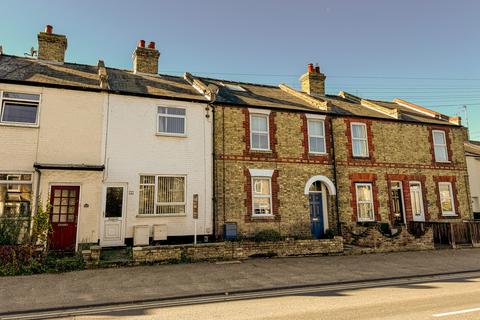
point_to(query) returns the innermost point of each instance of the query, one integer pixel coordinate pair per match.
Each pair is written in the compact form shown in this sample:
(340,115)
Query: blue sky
(426,52)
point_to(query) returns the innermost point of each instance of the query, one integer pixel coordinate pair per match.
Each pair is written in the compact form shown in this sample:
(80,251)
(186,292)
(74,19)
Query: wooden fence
(466,233)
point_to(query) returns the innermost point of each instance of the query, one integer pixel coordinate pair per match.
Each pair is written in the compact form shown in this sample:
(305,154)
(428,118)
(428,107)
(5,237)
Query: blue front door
(316,214)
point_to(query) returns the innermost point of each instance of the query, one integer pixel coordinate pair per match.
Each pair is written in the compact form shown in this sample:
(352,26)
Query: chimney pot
(145,60)
(51,46)
(310,67)
(313,82)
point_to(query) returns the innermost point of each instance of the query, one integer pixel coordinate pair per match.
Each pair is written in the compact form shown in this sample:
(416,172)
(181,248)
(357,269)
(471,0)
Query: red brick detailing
(248,201)
(405,179)
(328,142)
(364,178)
(261,158)
(449,144)
(453,181)
(371,147)
(272,132)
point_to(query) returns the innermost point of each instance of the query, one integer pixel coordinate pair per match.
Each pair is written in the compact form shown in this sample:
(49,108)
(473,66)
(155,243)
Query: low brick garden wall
(237,250)
(370,239)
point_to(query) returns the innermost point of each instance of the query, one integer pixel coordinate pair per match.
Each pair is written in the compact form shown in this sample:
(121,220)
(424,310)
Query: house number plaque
(195,206)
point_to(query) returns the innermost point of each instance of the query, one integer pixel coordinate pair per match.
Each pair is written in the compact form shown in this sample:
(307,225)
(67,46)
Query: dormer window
(171,121)
(440,146)
(19,108)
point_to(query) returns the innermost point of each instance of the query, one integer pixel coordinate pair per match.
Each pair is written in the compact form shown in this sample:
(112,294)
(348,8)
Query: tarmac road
(442,297)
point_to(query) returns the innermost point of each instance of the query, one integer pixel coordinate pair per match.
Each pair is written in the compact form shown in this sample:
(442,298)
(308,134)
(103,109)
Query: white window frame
(322,121)
(18,176)
(20,101)
(155,199)
(261,174)
(452,201)
(259,113)
(440,145)
(360,139)
(421,199)
(184,117)
(261,197)
(372,202)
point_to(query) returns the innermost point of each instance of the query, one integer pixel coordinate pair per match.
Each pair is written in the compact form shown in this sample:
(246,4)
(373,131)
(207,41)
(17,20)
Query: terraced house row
(135,156)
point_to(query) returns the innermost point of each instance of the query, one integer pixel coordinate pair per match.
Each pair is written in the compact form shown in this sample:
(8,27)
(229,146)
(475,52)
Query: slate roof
(257,95)
(85,77)
(408,114)
(472,148)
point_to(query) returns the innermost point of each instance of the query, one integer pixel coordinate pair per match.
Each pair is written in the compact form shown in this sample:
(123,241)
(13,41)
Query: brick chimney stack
(145,59)
(51,46)
(313,82)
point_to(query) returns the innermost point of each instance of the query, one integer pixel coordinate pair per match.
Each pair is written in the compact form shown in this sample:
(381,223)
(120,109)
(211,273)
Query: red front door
(64,217)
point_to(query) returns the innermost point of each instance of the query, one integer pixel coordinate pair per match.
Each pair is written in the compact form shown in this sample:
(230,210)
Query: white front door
(416,197)
(113,217)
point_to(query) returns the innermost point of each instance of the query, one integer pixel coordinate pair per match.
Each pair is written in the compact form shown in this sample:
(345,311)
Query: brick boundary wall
(236,250)
(371,240)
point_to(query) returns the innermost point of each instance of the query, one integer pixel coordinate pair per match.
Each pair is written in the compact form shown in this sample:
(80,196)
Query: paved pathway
(105,286)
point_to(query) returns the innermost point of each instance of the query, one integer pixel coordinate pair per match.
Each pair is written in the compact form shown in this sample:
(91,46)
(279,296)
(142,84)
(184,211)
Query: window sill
(262,216)
(261,150)
(160,215)
(23,125)
(173,135)
(443,162)
(366,223)
(449,215)
(361,158)
(317,153)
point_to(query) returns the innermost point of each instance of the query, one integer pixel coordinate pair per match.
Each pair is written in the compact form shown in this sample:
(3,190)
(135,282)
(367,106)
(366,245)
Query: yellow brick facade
(399,149)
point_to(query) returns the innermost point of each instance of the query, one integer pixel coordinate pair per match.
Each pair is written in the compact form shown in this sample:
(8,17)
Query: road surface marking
(456,312)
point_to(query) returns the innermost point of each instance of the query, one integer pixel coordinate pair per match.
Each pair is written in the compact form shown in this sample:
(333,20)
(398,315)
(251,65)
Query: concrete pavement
(107,286)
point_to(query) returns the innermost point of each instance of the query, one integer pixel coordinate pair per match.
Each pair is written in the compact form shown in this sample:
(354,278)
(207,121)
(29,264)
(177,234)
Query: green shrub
(56,264)
(19,259)
(10,229)
(41,224)
(268,235)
